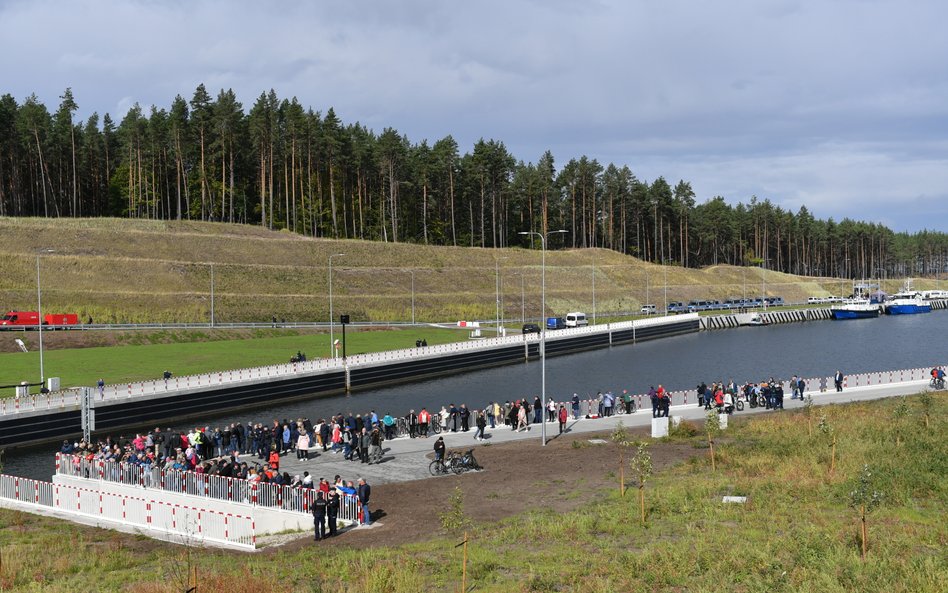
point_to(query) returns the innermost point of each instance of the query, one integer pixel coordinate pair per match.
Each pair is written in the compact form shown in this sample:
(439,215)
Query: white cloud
(778,98)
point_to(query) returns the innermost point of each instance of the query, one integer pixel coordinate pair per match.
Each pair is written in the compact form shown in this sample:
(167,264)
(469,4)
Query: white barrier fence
(272,496)
(185,522)
(125,391)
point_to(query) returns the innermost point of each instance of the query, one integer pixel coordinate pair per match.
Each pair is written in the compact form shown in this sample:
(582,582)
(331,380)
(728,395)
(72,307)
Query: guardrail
(125,391)
(266,495)
(186,522)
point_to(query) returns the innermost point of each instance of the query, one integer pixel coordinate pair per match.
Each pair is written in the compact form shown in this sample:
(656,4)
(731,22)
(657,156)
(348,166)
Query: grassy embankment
(796,534)
(137,362)
(154,271)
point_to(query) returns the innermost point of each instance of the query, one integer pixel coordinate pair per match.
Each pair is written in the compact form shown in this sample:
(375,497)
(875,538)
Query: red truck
(19,318)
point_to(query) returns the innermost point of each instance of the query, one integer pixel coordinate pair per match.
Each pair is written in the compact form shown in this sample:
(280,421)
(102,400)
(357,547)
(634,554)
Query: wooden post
(464,567)
(621,476)
(711,445)
(833,457)
(862,513)
(192,579)
(642,501)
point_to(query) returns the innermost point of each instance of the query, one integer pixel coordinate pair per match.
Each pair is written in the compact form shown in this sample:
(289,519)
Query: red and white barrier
(187,522)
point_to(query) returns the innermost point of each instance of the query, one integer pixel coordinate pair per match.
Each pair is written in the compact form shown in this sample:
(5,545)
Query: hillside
(155,271)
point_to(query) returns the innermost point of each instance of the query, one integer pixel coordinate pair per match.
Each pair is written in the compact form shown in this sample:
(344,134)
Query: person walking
(838,380)
(319,515)
(522,418)
(302,446)
(575,406)
(480,421)
(563,416)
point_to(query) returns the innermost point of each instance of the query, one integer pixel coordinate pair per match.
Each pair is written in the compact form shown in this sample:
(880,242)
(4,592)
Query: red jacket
(563,415)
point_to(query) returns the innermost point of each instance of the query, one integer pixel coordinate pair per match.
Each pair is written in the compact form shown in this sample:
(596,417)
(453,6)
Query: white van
(648,310)
(576,319)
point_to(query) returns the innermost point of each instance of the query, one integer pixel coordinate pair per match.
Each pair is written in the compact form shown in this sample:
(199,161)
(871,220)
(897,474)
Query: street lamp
(523,306)
(39,312)
(647,301)
(212,295)
(594,292)
(332,346)
(665,289)
(543,239)
(497,292)
(412,272)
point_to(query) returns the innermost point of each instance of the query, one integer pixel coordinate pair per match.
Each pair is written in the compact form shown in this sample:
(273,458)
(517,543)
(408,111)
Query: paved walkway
(406,459)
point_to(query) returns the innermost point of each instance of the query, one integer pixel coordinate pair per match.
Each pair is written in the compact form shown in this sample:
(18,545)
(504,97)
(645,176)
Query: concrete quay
(406,459)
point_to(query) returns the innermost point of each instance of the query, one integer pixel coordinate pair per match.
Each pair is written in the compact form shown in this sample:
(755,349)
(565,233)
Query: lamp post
(212,295)
(497,293)
(332,346)
(665,288)
(594,292)
(412,272)
(523,306)
(647,301)
(39,312)
(542,321)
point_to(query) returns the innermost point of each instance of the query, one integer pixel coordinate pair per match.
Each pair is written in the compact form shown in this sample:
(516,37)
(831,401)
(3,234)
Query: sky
(839,105)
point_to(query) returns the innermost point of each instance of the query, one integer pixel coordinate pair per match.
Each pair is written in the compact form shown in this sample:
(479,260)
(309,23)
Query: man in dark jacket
(332,510)
(319,515)
(364,491)
(365,441)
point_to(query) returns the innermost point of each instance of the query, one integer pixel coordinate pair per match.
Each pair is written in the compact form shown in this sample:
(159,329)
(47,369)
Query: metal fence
(183,521)
(126,391)
(267,495)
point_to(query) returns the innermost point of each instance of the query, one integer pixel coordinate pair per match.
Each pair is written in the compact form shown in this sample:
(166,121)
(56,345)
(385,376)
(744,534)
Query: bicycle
(401,427)
(441,467)
(435,425)
(937,383)
(462,463)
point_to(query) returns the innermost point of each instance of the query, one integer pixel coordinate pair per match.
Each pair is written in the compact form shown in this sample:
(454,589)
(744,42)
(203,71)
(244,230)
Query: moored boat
(855,309)
(907,303)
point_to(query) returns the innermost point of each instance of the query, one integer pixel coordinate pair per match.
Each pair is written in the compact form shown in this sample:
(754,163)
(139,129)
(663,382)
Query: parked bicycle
(441,467)
(462,463)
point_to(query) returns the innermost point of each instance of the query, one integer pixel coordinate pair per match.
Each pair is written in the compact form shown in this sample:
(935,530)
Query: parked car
(531,328)
(677,307)
(649,309)
(576,319)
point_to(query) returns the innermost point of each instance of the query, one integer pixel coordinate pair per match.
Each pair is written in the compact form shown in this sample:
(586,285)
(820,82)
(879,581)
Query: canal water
(810,349)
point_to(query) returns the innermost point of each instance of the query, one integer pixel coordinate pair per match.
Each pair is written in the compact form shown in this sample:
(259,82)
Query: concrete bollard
(722,421)
(675,421)
(659,427)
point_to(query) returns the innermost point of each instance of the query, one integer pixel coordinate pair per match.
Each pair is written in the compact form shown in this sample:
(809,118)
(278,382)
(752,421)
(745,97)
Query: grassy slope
(138,270)
(119,364)
(797,534)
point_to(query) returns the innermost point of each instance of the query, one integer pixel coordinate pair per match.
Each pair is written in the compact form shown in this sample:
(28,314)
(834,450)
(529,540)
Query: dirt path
(519,476)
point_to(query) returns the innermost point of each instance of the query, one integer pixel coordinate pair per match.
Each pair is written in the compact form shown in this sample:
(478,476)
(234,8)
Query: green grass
(120,364)
(796,534)
(159,271)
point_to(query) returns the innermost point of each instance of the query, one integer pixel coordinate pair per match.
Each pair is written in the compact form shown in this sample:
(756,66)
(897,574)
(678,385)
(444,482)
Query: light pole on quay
(332,346)
(497,293)
(39,312)
(543,239)
(412,272)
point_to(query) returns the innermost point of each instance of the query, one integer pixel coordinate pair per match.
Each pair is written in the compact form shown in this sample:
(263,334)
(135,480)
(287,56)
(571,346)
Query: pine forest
(286,166)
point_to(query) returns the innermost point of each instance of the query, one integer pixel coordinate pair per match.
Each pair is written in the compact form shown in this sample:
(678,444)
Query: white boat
(855,309)
(907,303)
